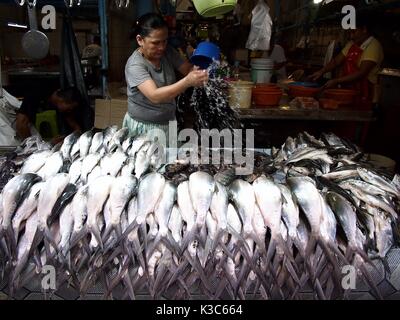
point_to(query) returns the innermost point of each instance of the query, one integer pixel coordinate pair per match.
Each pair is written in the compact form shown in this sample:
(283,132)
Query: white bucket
(240,94)
(262,70)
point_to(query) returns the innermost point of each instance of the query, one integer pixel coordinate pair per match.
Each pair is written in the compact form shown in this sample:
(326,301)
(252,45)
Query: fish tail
(37,238)
(135,245)
(220,289)
(50,239)
(129,285)
(189,238)
(127,231)
(107,233)
(20,266)
(161,271)
(241,240)
(173,245)
(153,246)
(196,265)
(207,249)
(97,234)
(77,236)
(243,274)
(178,271)
(10,240)
(86,282)
(371,282)
(333,262)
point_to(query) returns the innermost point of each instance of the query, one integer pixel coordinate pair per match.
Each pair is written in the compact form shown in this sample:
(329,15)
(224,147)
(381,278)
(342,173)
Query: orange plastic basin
(263,97)
(300,91)
(342,96)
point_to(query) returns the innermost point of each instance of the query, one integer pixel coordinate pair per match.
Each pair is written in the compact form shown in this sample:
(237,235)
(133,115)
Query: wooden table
(361,118)
(283,113)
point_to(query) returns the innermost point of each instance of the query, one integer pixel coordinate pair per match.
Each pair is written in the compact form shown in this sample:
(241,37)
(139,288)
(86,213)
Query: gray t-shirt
(137,70)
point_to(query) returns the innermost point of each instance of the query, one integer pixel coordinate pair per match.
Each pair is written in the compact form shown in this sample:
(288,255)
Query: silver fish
(88,165)
(117,139)
(201,189)
(85,142)
(97,143)
(98,192)
(378,181)
(35,162)
(28,206)
(75,170)
(118,159)
(66,147)
(122,190)
(52,166)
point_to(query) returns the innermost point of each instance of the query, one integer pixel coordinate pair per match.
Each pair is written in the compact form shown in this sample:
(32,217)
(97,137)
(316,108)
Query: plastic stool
(49,119)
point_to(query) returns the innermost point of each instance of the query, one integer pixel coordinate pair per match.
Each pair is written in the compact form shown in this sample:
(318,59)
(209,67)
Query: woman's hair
(70,95)
(148,23)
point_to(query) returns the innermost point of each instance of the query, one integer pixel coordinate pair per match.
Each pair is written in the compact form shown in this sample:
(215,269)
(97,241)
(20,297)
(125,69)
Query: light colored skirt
(137,128)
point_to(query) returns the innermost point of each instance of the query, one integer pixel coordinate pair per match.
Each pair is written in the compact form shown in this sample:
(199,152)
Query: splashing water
(210,104)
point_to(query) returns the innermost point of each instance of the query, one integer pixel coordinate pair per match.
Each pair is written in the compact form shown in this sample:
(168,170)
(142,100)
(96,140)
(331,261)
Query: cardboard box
(111,111)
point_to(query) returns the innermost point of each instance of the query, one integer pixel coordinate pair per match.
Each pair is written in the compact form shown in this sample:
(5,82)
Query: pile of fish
(102,207)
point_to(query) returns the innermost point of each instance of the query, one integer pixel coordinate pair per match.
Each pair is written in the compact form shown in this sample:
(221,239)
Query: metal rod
(104,45)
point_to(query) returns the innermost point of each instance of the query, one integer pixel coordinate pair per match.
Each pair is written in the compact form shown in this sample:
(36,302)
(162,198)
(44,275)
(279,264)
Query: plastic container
(261,70)
(301,91)
(342,96)
(266,97)
(204,54)
(240,93)
(213,8)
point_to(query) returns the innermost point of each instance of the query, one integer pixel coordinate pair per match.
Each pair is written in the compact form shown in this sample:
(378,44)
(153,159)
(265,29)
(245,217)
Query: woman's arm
(185,68)
(22,125)
(195,78)
(365,68)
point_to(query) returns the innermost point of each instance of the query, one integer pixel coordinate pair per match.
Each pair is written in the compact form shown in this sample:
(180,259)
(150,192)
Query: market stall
(115,210)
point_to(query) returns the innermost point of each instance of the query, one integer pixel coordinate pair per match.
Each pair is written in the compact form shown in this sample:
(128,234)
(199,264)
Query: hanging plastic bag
(261,28)
(8,107)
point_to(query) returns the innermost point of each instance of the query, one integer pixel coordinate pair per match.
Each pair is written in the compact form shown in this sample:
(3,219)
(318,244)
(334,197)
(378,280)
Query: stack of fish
(98,209)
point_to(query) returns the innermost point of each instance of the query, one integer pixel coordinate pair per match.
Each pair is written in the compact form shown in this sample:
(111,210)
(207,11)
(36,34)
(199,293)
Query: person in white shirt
(277,54)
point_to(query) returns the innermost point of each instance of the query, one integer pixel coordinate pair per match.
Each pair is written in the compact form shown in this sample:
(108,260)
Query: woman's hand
(316,76)
(197,78)
(331,84)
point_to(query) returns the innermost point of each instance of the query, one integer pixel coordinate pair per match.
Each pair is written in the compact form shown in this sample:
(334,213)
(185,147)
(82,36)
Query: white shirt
(278,56)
